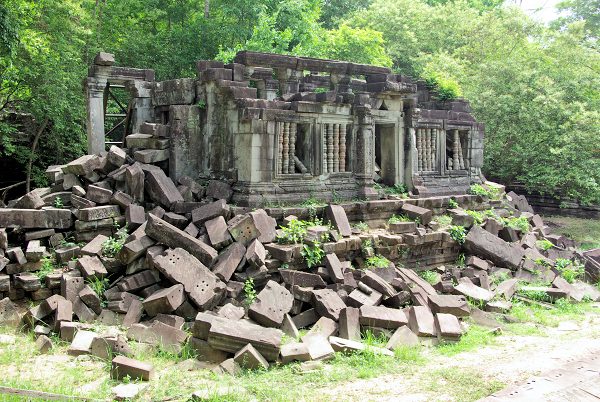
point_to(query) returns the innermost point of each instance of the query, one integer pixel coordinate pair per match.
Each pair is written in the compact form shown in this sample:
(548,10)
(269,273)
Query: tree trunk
(206,8)
(36,139)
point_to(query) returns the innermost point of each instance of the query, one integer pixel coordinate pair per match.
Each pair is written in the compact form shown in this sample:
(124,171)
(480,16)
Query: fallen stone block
(127,392)
(218,234)
(43,344)
(94,247)
(134,313)
(31,200)
(164,301)
(297,351)
(448,326)
(36,219)
(210,211)
(242,229)
(328,303)
(98,194)
(228,261)
(249,358)
(82,166)
(347,345)
(202,286)
(105,347)
(91,299)
(160,187)
(319,347)
(289,327)
(91,267)
(424,215)
(218,189)
(173,237)
(323,327)
(82,343)
(485,245)
(134,249)
(232,336)
(507,288)
(134,369)
(301,278)
(230,367)
(27,282)
(158,334)
(421,321)
(135,216)
(403,336)
(338,218)
(334,268)
(449,304)
(256,254)
(467,288)
(382,317)
(265,224)
(377,283)
(271,305)
(138,281)
(305,318)
(205,352)
(358,298)
(349,324)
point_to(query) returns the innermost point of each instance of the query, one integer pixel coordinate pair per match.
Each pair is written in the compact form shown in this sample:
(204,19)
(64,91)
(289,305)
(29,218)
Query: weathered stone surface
(210,211)
(91,299)
(323,327)
(135,216)
(412,211)
(31,200)
(82,343)
(98,194)
(347,345)
(349,323)
(382,317)
(449,304)
(82,166)
(134,181)
(421,321)
(160,187)
(232,336)
(159,334)
(105,347)
(43,344)
(506,289)
(271,305)
(138,281)
(305,318)
(134,369)
(67,253)
(297,351)
(134,313)
(134,249)
(164,301)
(256,254)
(242,229)
(9,314)
(358,298)
(173,237)
(488,246)
(205,352)
(36,219)
(202,286)
(377,283)
(151,155)
(35,251)
(99,213)
(249,358)
(228,261)
(266,225)
(403,336)
(219,190)
(319,347)
(91,266)
(301,278)
(447,326)
(334,267)
(328,303)
(218,234)
(338,218)
(467,288)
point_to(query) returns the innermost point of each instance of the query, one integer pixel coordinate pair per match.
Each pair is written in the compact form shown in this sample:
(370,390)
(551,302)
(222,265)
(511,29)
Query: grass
(475,337)
(461,384)
(564,310)
(584,231)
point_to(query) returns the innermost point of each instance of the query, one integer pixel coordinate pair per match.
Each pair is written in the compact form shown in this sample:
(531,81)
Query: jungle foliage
(535,86)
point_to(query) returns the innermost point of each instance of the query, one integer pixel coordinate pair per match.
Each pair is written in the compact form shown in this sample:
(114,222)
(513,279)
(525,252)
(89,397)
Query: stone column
(336,147)
(286,147)
(365,151)
(95,85)
(342,147)
(292,147)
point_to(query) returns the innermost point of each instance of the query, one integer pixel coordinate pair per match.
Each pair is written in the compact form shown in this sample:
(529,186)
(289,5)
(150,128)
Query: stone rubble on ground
(194,262)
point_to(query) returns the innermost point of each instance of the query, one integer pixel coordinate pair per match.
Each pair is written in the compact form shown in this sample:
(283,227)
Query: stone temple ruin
(281,127)
(169,228)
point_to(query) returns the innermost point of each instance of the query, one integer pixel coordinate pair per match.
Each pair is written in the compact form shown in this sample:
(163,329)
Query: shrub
(430,276)
(458,234)
(568,269)
(452,203)
(477,216)
(47,268)
(544,244)
(295,231)
(521,223)
(362,226)
(378,261)
(444,220)
(312,254)
(399,218)
(249,291)
(114,244)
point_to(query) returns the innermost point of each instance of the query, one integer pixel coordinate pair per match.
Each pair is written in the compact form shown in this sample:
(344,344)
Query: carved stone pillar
(365,151)
(292,168)
(336,147)
(286,147)
(342,147)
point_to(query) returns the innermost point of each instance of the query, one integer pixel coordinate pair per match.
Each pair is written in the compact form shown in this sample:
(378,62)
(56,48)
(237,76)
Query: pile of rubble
(116,241)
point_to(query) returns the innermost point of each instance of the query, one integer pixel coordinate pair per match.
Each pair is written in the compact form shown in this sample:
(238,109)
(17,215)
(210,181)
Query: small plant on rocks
(312,254)
(458,234)
(249,291)
(114,244)
(378,261)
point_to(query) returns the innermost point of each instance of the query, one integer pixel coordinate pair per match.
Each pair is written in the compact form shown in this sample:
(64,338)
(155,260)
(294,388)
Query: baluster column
(286,148)
(343,134)
(292,131)
(330,148)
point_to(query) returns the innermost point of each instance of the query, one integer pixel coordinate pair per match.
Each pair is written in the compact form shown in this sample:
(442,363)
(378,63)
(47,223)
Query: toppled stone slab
(403,336)
(231,336)
(210,211)
(173,237)
(467,288)
(160,187)
(202,286)
(449,304)
(164,301)
(134,369)
(297,351)
(36,219)
(338,218)
(319,347)
(414,212)
(218,234)
(346,345)
(488,246)
(82,343)
(249,358)
(421,321)
(448,326)
(349,323)
(228,261)
(98,213)
(328,303)
(334,267)
(305,279)
(271,305)
(382,317)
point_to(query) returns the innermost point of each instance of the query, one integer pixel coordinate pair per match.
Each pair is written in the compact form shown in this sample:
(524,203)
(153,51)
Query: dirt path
(512,360)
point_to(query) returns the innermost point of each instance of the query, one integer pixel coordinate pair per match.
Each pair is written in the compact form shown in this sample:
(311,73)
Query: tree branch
(36,139)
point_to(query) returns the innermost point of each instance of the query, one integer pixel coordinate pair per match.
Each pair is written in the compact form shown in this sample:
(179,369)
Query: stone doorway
(385,154)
